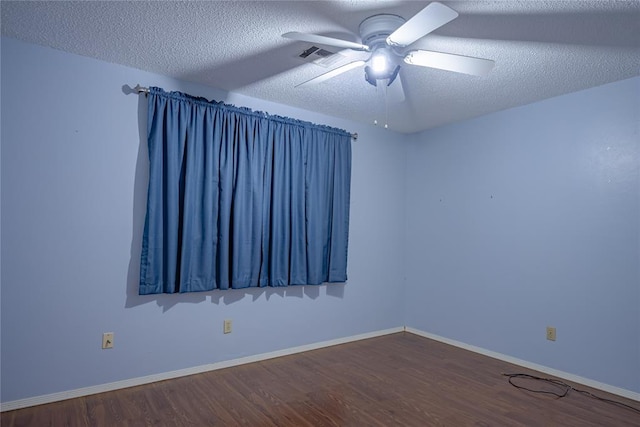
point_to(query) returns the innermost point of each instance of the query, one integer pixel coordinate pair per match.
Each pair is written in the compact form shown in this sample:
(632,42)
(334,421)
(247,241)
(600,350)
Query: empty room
(320,213)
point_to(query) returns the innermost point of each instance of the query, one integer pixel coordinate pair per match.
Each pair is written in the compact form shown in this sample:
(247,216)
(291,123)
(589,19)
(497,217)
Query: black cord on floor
(564,389)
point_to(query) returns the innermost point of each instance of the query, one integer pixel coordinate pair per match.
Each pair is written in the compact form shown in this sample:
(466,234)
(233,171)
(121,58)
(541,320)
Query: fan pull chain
(385,100)
(386,106)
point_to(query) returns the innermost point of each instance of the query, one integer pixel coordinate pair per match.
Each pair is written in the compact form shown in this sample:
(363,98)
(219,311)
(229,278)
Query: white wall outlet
(551,333)
(227,326)
(107,340)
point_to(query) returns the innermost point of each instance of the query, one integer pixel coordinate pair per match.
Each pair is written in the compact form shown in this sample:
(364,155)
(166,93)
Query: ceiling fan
(389,38)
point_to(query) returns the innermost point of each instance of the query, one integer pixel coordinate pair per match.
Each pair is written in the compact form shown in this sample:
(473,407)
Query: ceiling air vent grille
(321,57)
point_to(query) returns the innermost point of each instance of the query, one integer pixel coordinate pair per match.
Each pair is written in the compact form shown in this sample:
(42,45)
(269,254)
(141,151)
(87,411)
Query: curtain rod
(139,89)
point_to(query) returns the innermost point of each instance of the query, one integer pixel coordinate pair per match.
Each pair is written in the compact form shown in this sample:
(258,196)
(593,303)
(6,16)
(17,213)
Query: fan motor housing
(375,29)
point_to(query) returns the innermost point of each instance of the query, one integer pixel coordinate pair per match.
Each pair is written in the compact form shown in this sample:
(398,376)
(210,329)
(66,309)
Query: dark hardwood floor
(394,380)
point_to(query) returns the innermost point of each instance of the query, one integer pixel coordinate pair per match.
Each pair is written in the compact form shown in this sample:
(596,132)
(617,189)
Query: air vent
(321,57)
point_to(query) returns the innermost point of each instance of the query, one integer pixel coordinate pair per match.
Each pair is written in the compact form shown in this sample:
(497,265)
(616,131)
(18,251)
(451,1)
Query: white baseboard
(101,388)
(540,368)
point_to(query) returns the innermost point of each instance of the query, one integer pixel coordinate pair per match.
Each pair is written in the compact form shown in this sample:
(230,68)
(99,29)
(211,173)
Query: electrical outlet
(227,326)
(107,340)
(551,333)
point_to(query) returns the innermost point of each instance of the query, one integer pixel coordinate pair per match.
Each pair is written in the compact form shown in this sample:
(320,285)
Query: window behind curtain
(241,199)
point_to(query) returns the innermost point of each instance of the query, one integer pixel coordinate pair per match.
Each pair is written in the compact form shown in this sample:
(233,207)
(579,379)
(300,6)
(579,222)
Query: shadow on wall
(167,301)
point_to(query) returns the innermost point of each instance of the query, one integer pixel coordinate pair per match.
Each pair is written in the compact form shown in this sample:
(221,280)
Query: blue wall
(510,222)
(73,179)
(530,217)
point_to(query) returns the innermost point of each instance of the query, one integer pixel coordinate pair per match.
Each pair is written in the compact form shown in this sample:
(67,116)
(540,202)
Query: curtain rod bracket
(140,89)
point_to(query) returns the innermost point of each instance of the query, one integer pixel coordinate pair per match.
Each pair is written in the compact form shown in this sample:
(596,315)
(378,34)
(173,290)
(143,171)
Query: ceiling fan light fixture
(380,62)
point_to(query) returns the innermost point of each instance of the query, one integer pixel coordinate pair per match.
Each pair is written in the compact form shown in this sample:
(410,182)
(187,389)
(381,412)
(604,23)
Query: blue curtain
(241,199)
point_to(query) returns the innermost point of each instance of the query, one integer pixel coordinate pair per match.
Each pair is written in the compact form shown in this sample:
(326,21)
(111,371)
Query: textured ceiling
(541,49)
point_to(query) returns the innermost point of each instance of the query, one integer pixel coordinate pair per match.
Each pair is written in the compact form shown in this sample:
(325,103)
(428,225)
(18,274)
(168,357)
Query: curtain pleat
(241,199)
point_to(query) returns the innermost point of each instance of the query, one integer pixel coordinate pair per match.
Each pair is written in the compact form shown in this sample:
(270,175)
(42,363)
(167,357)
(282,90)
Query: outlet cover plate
(227,326)
(107,340)
(551,333)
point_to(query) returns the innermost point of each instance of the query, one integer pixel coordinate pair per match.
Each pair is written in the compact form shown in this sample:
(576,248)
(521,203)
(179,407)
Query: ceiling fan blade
(422,23)
(327,41)
(450,62)
(333,73)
